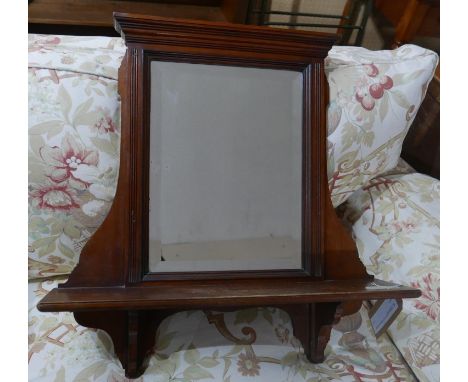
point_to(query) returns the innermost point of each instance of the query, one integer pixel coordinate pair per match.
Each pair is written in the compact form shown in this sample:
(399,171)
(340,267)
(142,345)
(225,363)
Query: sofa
(74,135)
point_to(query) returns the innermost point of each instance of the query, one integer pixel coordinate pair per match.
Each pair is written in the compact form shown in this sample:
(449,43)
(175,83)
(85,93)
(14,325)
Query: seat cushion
(396,224)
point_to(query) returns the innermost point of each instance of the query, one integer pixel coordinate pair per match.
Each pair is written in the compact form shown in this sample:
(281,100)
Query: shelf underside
(224,293)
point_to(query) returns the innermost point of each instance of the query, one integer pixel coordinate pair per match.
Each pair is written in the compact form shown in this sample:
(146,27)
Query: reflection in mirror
(225,168)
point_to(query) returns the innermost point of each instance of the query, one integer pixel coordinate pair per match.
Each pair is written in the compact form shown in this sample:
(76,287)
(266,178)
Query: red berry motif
(371,70)
(386,82)
(376,91)
(54,40)
(360,95)
(368,102)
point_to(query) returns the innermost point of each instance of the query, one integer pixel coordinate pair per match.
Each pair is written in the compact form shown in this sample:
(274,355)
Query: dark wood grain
(235,11)
(421,147)
(91,13)
(94,18)
(409,19)
(223,39)
(415,20)
(123,235)
(193,295)
(133,334)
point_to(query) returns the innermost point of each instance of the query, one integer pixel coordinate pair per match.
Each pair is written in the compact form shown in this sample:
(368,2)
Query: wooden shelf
(219,294)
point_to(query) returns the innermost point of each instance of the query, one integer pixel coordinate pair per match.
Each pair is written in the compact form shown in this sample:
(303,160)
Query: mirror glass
(225,168)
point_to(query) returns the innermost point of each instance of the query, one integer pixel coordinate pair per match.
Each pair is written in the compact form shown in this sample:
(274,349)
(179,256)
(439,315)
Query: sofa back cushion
(374,97)
(74,139)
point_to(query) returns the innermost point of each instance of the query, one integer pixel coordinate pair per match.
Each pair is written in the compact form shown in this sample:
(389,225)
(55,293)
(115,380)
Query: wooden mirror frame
(111,288)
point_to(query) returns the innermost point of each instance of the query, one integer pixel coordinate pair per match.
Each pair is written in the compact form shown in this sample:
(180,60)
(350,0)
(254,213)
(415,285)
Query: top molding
(152,31)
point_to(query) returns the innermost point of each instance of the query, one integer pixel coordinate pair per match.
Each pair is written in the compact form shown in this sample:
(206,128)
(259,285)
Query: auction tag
(383,313)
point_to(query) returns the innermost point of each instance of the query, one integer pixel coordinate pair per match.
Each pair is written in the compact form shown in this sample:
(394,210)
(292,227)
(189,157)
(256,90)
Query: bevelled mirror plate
(225,168)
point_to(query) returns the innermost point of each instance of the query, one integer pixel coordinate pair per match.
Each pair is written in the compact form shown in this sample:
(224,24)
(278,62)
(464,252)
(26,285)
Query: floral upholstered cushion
(74,139)
(374,97)
(395,221)
(74,135)
(190,348)
(98,56)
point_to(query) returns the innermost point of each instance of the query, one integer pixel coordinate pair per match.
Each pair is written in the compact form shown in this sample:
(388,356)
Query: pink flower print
(429,302)
(105,124)
(405,226)
(66,160)
(53,197)
(43,43)
(49,40)
(410,226)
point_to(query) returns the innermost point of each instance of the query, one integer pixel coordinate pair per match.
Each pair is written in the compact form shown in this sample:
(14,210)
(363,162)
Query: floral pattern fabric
(395,222)
(74,139)
(97,56)
(190,348)
(374,97)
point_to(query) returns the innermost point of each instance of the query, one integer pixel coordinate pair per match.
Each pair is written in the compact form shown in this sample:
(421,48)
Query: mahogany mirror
(226,181)
(222,200)
(225,168)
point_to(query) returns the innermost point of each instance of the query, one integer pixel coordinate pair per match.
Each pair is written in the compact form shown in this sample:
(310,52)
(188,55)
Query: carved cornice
(151,30)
